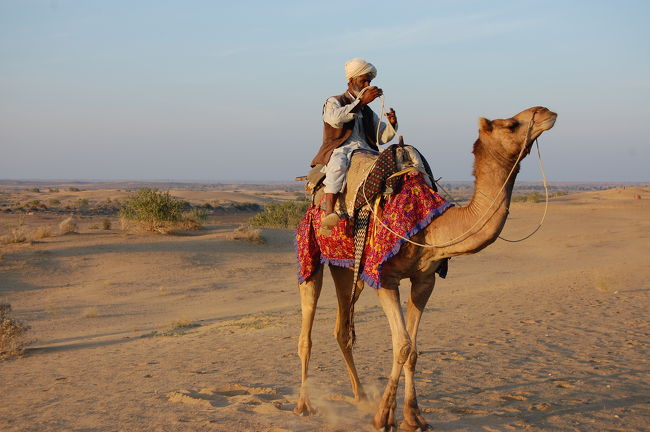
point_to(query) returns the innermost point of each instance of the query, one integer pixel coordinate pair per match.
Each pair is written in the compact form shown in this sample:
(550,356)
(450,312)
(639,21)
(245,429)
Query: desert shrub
(531,197)
(41,233)
(12,333)
(244,232)
(90,312)
(198,214)
(68,225)
(106,224)
(280,215)
(53,201)
(54,189)
(82,202)
(246,206)
(17,232)
(157,211)
(74,189)
(37,190)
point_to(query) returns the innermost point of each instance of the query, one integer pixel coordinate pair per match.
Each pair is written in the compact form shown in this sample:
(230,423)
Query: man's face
(359,83)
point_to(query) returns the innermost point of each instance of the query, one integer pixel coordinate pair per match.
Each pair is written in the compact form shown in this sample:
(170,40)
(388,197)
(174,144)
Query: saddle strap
(361,223)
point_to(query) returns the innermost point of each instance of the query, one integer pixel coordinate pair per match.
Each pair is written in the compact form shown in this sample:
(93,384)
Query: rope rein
(469,232)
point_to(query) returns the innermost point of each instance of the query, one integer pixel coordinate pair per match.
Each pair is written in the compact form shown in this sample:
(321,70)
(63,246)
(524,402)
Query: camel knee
(304,347)
(404,352)
(412,359)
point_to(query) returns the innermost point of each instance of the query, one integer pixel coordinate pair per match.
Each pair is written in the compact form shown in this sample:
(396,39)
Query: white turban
(358,66)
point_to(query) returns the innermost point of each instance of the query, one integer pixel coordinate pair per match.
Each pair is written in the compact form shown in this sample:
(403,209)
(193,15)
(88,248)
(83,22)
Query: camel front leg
(421,290)
(309,293)
(343,282)
(389,299)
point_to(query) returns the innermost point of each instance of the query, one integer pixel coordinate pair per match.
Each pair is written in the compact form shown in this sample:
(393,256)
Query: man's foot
(328,222)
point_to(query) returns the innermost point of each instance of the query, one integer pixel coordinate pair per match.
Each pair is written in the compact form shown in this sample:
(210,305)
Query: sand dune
(176,333)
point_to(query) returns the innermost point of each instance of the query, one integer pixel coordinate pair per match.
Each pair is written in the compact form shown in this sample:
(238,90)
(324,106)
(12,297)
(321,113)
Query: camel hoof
(304,410)
(407,427)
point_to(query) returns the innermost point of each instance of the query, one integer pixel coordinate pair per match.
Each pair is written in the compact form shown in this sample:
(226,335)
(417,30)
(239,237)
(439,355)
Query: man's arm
(336,115)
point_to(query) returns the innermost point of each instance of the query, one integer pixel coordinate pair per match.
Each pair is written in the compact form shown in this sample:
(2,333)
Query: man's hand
(370,94)
(392,117)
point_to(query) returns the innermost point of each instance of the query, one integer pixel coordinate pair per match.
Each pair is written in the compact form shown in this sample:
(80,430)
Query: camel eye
(511,124)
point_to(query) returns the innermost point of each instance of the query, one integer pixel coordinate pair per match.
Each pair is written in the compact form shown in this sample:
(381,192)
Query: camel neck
(478,224)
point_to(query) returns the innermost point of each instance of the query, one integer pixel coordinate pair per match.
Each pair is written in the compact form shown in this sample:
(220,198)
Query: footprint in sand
(540,407)
(514,397)
(243,398)
(564,384)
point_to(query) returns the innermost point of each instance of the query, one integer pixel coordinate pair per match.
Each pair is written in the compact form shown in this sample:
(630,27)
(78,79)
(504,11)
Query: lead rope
(541,222)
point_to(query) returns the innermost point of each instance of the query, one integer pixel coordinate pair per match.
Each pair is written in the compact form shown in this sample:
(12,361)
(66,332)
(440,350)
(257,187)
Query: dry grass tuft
(12,334)
(17,232)
(244,232)
(604,283)
(182,324)
(69,225)
(41,233)
(91,312)
(106,224)
(176,328)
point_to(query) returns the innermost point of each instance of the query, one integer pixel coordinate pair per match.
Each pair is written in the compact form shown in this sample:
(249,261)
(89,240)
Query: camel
(498,151)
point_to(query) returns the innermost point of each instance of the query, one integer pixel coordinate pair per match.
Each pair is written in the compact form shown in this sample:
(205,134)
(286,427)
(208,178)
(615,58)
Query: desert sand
(198,332)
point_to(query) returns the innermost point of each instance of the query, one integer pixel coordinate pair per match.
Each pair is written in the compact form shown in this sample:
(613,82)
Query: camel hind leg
(343,283)
(309,293)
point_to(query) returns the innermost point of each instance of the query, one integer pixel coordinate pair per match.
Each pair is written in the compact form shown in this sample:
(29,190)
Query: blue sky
(211,90)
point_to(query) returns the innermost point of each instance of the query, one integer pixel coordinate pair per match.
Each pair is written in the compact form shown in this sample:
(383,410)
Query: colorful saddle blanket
(381,179)
(406,213)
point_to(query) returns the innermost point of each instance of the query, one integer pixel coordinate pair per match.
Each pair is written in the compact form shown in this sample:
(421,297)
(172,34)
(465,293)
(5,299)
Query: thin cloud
(426,32)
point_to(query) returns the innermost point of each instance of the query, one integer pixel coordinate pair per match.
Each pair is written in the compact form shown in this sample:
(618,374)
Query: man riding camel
(349,124)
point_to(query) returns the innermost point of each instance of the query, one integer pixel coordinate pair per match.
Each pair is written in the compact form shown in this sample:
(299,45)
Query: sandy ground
(138,332)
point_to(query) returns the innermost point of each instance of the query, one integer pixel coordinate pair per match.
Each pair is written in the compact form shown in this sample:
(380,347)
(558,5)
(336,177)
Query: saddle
(380,174)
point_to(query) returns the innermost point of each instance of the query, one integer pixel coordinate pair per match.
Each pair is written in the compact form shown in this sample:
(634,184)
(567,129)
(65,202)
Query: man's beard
(356,90)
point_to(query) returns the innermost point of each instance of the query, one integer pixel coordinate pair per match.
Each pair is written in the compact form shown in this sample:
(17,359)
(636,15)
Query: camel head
(506,137)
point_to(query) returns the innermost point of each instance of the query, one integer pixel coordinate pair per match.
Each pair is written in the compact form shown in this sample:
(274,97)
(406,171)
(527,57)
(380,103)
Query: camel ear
(484,124)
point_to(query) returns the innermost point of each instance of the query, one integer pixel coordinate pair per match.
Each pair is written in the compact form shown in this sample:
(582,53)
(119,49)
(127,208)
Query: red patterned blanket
(406,213)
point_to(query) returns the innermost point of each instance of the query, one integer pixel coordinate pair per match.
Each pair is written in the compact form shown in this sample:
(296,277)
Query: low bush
(157,211)
(198,214)
(12,333)
(247,233)
(41,233)
(68,225)
(280,215)
(17,232)
(531,197)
